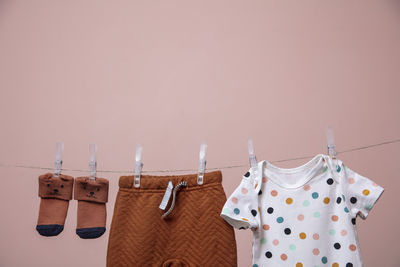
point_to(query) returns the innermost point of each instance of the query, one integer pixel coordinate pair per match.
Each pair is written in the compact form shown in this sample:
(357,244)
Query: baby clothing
(190,233)
(302,216)
(55,194)
(92,196)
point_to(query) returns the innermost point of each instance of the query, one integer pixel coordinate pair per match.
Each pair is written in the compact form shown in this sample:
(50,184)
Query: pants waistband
(161,181)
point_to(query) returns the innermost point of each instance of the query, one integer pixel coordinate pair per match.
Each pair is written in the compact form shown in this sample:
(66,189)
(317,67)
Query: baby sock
(55,194)
(92,196)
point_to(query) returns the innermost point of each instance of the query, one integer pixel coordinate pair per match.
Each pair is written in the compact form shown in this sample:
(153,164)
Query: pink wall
(172,73)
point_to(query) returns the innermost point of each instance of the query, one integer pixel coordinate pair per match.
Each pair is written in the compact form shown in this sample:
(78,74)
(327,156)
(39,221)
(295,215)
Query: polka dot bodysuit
(303,216)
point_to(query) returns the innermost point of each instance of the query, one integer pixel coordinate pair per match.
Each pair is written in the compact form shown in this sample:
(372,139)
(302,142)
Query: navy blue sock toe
(88,233)
(49,229)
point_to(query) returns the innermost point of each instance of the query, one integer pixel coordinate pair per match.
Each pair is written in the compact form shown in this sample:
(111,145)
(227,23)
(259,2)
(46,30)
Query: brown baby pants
(193,234)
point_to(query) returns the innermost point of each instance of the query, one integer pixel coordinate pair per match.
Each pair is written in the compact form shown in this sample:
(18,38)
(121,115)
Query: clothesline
(195,170)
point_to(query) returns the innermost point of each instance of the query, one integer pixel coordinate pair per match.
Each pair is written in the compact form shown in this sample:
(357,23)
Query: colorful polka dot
(346,209)
(283,257)
(244,190)
(255,265)
(279,219)
(351,180)
(264,179)
(268,254)
(300,217)
(306,203)
(299,264)
(226,211)
(326,200)
(335,264)
(270,210)
(343,232)
(275,242)
(352,247)
(329,181)
(289,201)
(274,193)
(315,195)
(368,206)
(306,187)
(353,221)
(332,232)
(263,240)
(337,246)
(266,227)
(316,214)
(338,169)
(235,200)
(338,200)
(254,213)
(324,260)
(236,211)
(302,235)
(292,247)
(287,231)
(353,200)
(315,236)
(315,251)
(349,264)
(335,218)
(247,174)
(365,192)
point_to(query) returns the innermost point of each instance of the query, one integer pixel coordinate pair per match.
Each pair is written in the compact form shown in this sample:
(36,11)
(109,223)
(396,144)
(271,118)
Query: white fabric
(303,216)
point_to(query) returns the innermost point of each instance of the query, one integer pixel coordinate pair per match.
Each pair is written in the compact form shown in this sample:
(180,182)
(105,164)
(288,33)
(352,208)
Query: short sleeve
(361,193)
(241,209)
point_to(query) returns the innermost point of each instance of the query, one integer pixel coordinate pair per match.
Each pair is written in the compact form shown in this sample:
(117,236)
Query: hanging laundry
(191,233)
(55,192)
(92,196)
(303,216)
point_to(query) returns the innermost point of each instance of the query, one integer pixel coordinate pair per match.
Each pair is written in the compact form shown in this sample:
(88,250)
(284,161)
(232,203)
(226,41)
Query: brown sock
(55,194)
(92,196)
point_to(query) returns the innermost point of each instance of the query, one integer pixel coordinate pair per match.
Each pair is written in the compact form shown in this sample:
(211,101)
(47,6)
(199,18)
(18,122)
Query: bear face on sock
(91,190)
(55,187)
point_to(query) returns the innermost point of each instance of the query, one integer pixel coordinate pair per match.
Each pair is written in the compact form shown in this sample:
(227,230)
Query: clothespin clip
(138,166)
(330,139)
(252,156)
(202,163)
(58,158)
(92,161)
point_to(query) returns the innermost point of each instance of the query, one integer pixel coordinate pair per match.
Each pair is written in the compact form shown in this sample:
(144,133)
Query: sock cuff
(56,187)
(91,190)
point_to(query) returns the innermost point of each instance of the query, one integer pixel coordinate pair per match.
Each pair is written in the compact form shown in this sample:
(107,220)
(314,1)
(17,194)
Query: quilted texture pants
(193,234)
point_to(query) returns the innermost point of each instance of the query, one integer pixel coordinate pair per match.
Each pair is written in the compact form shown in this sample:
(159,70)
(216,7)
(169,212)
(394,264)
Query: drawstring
(181,184)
